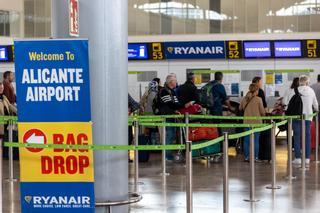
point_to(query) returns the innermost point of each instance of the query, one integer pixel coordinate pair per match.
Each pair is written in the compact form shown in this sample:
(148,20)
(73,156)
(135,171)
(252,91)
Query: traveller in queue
(310,103)
(188,91)
(258,80)
(6,109)
(219,95)
(290,92)
(169,105)
(316,88)
(133,106)
(252,105)
(146,102)
(9,92)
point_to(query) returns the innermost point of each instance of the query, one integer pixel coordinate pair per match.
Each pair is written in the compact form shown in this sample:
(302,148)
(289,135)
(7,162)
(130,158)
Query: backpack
(156,103)
(295,106)
(206,96)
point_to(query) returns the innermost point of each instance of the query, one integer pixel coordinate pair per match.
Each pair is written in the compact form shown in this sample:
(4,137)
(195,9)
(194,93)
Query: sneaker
(257,160)
(246,160)
(307,161)
(297,161)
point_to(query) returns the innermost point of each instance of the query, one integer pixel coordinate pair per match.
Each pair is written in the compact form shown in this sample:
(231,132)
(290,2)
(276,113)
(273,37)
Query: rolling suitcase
(144,155)
(265,145)
(207,151)
(313,135)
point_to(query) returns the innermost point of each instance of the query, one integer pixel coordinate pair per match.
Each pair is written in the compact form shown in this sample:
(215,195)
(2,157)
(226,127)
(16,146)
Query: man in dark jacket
(169,104)
(219,95)
(9,92)
(188,91)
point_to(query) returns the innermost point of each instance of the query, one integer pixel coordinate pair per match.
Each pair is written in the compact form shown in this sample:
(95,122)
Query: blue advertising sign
(137,51)
(195,50)
(53,197)
(287,49)
(257,49)
(4,56)
(52,80)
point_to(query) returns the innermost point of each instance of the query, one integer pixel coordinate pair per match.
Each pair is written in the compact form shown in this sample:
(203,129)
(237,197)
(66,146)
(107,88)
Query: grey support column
(104,23)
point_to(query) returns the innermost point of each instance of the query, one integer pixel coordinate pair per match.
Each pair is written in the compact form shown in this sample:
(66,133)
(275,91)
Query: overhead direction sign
(195,50)
(74,18)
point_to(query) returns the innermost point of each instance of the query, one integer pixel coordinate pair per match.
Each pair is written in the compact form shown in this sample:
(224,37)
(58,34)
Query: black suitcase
(144,155)
(265,145)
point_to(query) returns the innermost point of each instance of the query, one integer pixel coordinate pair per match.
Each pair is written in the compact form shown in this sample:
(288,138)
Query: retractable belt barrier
(142,147)
(152,121)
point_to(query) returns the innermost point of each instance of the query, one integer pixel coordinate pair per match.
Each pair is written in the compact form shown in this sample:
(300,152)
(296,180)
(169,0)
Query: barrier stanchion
(252,171)
(163,160)
(136,155)
(10,150)
(189,176)
(289,161)
(225,174)
(317,139)
(273,158)
(303,142)
(1,173)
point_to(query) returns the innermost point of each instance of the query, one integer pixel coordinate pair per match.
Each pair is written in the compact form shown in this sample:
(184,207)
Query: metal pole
(225,174)
(317,139)
(303,142)
(289,161)
(163,137)
(273,158)
(189,176)
(252,171)
(10,149)
(1,175)
(136,155)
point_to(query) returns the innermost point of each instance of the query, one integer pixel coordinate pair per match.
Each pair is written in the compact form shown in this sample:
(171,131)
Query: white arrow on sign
(35,139)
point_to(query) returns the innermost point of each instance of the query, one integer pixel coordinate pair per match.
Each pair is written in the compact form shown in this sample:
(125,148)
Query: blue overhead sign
(195,50)
(52,80)
(137,51)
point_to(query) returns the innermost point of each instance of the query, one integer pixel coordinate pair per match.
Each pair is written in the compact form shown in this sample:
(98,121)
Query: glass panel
(132,10)
(239,16)
(252,16)
(277,10)
(290,19)
(202,24)
(226,16)
(265,17)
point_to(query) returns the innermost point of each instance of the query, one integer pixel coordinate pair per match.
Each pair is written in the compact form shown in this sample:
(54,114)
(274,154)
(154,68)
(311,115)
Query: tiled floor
(168,195)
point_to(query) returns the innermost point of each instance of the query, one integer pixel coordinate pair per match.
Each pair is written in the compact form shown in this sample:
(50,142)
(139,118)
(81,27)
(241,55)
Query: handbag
(241,112)
(193,109)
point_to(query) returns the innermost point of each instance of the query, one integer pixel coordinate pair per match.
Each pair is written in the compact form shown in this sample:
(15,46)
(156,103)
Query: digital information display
(4,56)
(257,49)
(137,51)
(157,51)
(234,49)
(311,48)
(287,49)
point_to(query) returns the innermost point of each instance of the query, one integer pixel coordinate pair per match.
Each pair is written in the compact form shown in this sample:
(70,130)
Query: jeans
(170,138)
(296,126)
(246,145)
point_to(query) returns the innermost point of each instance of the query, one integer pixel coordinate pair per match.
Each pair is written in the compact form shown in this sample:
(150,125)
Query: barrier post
(273,158)
(189,176)
(163,160)
(303,142)
(317,139)
(225,174)
(252,171)
(1,173)
(10,150)
(136,155)
(289,161)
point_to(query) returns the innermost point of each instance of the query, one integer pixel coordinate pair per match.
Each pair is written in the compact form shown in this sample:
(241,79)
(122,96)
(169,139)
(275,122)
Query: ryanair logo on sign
(195,50)
(58,201)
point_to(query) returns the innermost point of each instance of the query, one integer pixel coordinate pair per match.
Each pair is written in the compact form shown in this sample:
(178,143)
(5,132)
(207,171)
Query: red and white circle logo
(34,136)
